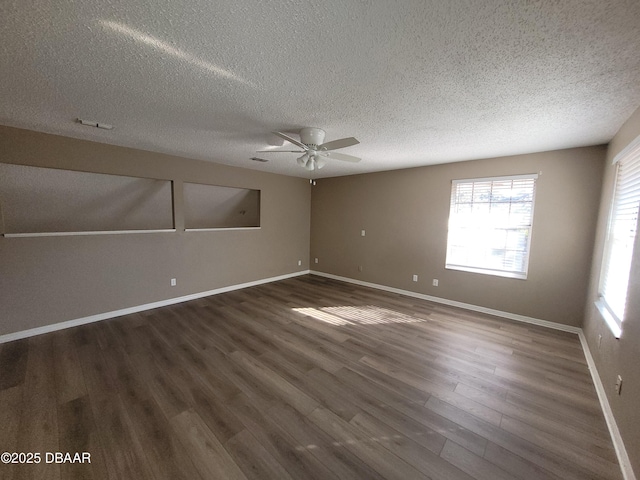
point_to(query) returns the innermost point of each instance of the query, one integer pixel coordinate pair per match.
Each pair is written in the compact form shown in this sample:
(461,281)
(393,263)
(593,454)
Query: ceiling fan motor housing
(312,137)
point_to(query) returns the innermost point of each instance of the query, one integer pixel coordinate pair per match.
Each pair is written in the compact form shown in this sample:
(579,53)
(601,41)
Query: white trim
(608,318)
(219,229)
(616,438)
(487,271)
(139,308)
(502,177)
(453,303)
(628,150)
(73,234)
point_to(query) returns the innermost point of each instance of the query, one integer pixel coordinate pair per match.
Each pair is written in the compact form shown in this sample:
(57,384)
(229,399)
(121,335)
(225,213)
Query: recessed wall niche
(49,201)
(212,207)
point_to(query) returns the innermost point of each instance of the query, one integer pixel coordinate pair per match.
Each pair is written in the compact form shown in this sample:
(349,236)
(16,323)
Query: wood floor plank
(207,453)
(285,390)
(515,465)
(447,426)
(68,372)
(253,459)
(322,446)
(80,439)
(124,455)
(404,447)
(387,380)
(547,420)
(471,463)
(169,397)
(281,445)
(38,430)
(364,446)
(338,404)
(166,455)
(382,404)
(552,460)
(13,358)
(310,378)
(481,411)
(10,413)
(220,420)
(575,453)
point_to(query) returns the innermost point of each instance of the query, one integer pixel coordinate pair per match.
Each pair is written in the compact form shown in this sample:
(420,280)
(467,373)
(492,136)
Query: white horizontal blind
(621,236)
(490,225)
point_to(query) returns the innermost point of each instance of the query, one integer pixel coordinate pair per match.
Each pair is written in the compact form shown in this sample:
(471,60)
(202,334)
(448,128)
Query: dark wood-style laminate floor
(306,378)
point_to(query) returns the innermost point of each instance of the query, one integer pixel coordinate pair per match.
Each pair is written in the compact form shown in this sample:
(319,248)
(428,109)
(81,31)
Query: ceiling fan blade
(280,151)
(341,143)
(292,140)
(341,156)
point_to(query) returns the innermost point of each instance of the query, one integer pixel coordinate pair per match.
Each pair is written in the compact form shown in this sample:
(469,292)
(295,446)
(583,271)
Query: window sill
(487,271)
(608,319)
(219,229)
(86,233)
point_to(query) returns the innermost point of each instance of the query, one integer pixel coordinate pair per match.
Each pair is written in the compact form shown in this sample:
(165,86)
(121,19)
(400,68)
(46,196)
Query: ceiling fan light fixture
(311,164)
(302,161)
(315,151)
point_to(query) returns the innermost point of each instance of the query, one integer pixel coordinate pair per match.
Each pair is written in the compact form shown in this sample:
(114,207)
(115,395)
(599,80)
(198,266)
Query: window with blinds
(621,234)
(490,225)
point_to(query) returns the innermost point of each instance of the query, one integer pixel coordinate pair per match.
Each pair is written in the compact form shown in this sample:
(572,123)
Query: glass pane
(486,224)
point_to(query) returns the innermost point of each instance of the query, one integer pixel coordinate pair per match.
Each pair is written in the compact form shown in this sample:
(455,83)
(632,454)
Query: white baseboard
(453,303)
(139,308)
(616,438)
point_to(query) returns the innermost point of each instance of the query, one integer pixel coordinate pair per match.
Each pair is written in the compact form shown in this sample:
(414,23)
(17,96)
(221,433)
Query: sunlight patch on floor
(357,315)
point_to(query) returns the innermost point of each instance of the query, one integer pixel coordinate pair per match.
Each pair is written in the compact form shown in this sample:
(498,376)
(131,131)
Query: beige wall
(405,213)
(53,279)
(618,357)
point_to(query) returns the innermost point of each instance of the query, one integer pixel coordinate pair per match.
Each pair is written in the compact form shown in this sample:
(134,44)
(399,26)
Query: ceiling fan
(314,151)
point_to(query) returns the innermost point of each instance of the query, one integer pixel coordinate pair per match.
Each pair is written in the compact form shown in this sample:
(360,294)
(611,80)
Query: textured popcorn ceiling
(417,82)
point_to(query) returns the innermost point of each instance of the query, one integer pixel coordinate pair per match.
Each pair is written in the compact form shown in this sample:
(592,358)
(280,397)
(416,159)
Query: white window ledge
(92,232)
(608,319)
(220,229)
(488,271)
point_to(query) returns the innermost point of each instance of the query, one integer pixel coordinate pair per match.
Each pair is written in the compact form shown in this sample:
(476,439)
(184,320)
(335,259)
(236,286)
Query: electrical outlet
(173,282)
(315,260)
(619,385)
(435,282)
(415,278)
(362,233)
(299,262)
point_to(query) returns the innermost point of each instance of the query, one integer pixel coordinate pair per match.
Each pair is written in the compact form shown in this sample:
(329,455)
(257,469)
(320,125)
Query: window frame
(630,154)
(521,275)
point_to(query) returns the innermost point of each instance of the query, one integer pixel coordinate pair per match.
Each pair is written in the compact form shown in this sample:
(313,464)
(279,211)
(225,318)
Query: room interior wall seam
(10,337)
(616,438)
(614,431)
